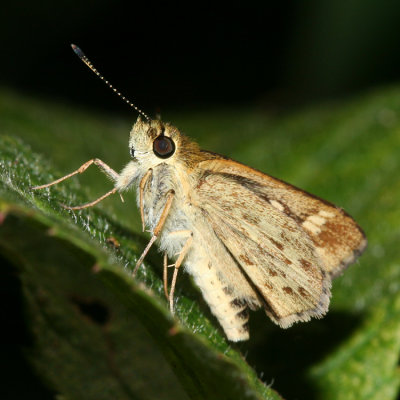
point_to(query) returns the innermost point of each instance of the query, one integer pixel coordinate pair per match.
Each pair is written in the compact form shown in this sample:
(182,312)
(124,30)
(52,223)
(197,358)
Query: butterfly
(248,240)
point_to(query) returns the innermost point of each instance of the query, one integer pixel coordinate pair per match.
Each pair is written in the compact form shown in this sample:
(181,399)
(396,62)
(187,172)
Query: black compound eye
(163,146)
(132,152)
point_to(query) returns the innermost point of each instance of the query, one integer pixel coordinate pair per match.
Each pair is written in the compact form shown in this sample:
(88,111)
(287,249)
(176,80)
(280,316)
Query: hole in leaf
(92,309)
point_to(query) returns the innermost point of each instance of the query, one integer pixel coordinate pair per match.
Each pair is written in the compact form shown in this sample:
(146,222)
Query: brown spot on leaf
(113,242)
(96,268)
(2,217)
(173,331)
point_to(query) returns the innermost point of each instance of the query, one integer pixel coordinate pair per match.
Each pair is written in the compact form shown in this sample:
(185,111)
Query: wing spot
(316,220)
(326,214)
(284,237)
(287,290)
(276,204)
(252,219)
(268,285)
(246,259)
(334,235)
(245,328)
(289,227)
(243,315)
(306,265)
(227,290)
(303,292)
(237,303)
(311,227)
(272,272)
(276,244)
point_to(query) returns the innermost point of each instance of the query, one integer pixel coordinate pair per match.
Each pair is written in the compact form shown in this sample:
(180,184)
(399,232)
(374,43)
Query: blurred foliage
(91,331)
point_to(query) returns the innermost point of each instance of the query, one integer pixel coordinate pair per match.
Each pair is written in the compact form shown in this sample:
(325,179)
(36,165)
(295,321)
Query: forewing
(285,240)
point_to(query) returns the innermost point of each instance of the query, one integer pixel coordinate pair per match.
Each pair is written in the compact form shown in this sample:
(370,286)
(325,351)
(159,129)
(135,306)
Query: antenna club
(77,51)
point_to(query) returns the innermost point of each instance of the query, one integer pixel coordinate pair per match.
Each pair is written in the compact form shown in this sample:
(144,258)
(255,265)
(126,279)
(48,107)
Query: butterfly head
(153,142)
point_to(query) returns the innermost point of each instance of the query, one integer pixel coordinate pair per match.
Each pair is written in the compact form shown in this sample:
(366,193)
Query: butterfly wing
(287,242)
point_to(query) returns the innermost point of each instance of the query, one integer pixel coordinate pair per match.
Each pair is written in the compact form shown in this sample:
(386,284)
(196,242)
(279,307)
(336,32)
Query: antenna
(82,56)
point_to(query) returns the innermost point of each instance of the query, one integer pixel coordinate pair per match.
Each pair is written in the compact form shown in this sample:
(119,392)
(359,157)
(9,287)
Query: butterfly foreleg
(157,229)
(92,203)
(102,165)
(103,168)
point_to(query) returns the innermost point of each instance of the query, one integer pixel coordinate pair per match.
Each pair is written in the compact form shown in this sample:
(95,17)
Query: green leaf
(97,333)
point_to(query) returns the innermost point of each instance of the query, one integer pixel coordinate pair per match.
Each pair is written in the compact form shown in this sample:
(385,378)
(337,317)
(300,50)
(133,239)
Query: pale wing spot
(326,214)
(277,205)
(316,220)
(311,227)
(313,223)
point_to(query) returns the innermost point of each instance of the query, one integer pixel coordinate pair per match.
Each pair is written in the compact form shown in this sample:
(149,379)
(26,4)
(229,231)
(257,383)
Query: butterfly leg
(178,261)
(157,229)
(141,189)
(92,203)
(165,275)
(103,167)
(177,264)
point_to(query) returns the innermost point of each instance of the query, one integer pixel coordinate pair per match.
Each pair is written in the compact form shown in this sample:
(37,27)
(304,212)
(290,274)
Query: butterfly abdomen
(231,312)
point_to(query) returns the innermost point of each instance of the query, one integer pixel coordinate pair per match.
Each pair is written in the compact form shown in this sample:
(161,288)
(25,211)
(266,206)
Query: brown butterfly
(248,240)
